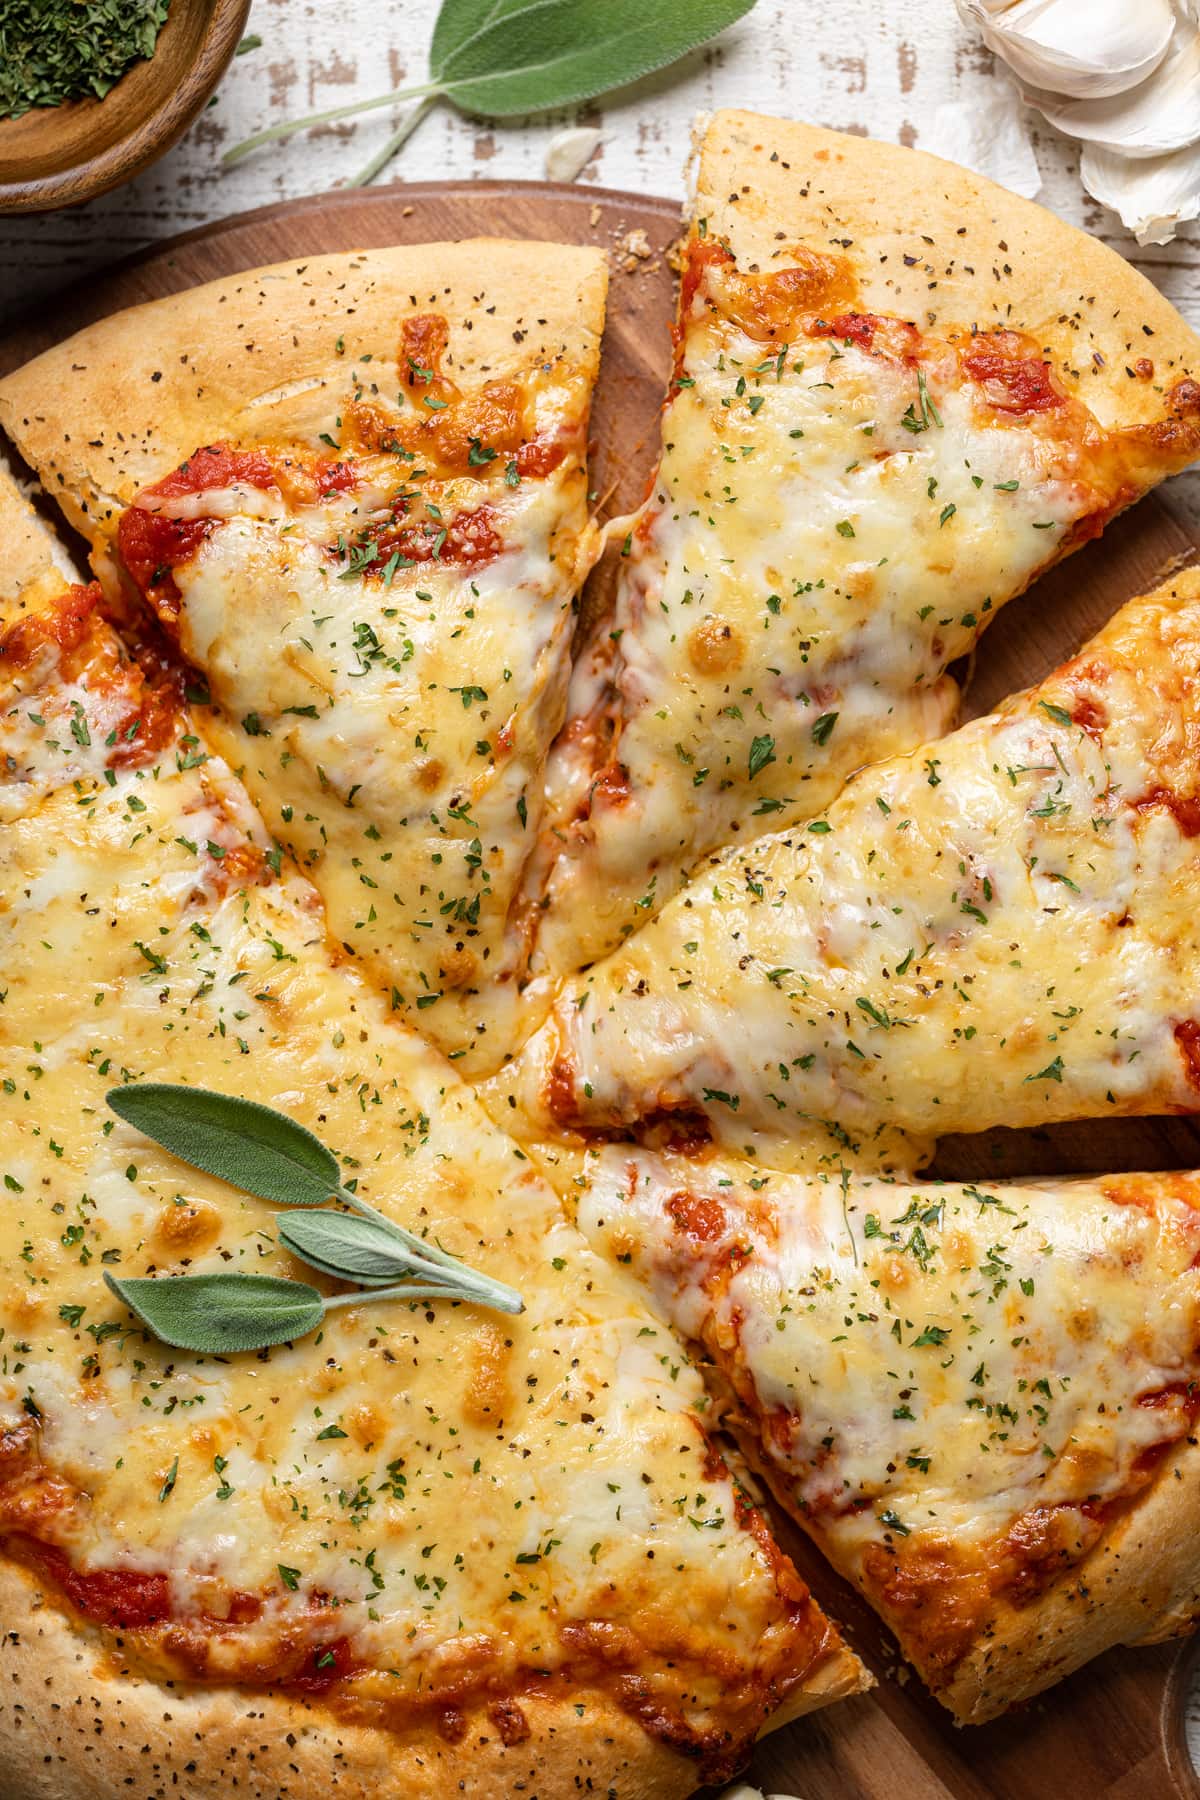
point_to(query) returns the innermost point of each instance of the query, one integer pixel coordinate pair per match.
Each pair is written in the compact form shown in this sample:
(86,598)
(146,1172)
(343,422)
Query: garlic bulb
(1154,195)
(1123,77)
(1159,115)
(1085,48)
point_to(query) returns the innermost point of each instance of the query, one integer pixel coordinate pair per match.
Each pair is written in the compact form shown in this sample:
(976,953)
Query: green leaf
(762,752)
(350,1248)
(530,55)
(459,20)
(219,1314)
(253,1147)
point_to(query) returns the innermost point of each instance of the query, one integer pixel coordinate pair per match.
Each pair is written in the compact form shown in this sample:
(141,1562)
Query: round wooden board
(1116,1728)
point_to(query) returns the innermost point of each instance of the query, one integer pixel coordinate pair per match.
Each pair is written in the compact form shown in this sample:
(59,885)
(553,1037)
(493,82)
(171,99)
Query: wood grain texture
(1115,1730)
(61,155)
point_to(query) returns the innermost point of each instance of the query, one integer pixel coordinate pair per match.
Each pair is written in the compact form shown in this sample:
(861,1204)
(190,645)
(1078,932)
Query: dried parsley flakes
(56,50)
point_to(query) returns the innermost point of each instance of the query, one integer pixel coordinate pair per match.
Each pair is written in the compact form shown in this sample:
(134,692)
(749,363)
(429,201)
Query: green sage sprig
(269,1155)
(501,59)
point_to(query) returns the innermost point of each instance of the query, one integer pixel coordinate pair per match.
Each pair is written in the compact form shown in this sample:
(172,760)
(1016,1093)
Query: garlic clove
(1152,195)
(1161,114)
(1087,49)
(569,152)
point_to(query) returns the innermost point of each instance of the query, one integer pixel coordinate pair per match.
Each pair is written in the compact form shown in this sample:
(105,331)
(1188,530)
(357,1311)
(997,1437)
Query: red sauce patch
(467,543)
(65,623)
(698,1215)
(560,1091)
(853,328)
(610,788)
(1187,1036)
(122,1599)
(1013,379)
(152,546)
(539,458)
(1184,808)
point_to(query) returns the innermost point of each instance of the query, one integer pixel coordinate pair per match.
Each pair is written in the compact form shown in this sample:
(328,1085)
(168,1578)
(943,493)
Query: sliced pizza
(429,1548)
(353,492)
(980,1401)
(879,431)
(998,929)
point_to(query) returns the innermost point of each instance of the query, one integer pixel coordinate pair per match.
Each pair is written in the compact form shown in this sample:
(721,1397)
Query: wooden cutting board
(1116,1728)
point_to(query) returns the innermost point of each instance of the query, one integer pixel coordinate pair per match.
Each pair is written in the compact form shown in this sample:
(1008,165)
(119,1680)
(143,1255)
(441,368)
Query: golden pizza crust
(1140,1584)
(945,247)
(273,354)
(77,1723)
(28,576)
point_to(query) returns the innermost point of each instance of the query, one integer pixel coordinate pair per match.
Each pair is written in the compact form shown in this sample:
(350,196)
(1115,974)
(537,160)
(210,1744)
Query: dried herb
(56,50)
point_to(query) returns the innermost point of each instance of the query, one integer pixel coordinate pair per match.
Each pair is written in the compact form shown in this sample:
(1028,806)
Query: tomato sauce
(152,545)
(1014,377)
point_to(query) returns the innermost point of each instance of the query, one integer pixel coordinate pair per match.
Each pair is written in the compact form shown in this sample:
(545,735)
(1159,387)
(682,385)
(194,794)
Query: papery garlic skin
(1087,49)
(569,152)
(1152,195)
(1162,114)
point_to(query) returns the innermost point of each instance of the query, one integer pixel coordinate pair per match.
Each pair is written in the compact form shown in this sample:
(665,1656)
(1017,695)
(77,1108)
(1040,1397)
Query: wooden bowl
(59,155)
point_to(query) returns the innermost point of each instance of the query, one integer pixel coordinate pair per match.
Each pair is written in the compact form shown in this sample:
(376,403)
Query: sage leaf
(253,1147)
(376,1253)
(503,58)
(221,1313)
(533,55)
(349,1248)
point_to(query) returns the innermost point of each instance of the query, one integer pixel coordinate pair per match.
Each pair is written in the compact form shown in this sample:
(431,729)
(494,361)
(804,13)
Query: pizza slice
(428,1548)
(878,432)
(353,492)
(998,929)
(981,1402)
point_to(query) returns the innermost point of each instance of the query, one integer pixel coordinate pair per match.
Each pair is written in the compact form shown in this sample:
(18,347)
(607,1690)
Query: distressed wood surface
(1116,1730)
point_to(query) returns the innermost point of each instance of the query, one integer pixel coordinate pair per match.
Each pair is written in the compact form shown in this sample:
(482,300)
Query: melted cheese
(998,929)
(936,1371)
(460,1495)
(393,727)
(831,526)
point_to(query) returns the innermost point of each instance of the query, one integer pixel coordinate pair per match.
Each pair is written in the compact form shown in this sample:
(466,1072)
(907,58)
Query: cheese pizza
(996,929)
(430,1549)
(446,1484)
(979,1400)
(885,421)
(353,491)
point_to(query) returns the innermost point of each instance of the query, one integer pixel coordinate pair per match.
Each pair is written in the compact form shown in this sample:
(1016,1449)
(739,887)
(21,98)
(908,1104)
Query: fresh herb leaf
(762,752)
(253,1147)
(220,1314)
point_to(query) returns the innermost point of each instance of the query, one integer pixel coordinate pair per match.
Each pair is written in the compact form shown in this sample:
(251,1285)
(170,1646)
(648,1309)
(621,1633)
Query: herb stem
(415,1245)
(288,127)
(481,1290)
(400,136)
